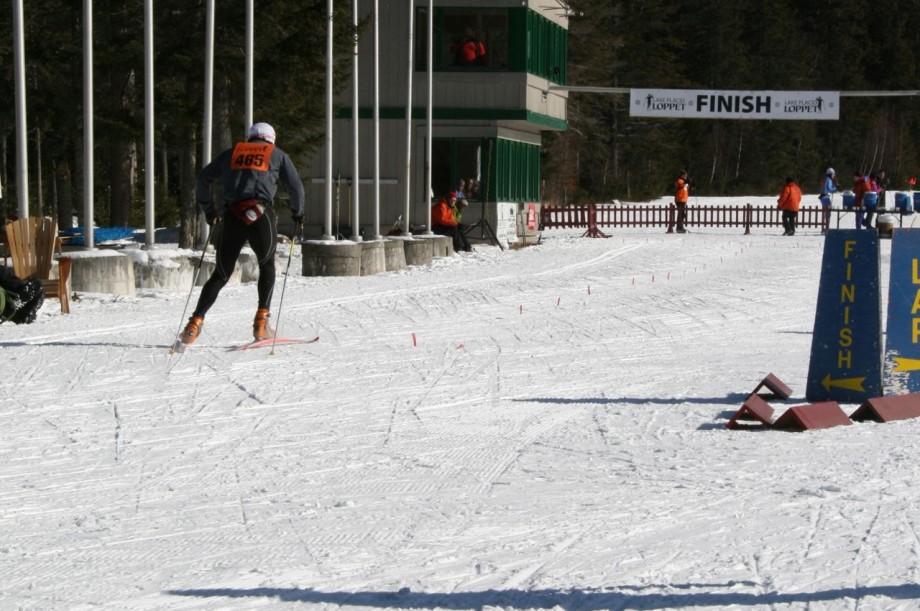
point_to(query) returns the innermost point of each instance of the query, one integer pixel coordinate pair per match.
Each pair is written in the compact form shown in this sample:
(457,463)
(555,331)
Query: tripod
(483,223)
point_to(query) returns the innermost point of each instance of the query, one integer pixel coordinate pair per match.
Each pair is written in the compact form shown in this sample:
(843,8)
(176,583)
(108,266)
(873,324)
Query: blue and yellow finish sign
(846,347)
(902,348)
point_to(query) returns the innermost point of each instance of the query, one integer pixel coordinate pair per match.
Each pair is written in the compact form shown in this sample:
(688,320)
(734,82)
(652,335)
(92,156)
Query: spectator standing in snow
(860,187)
(882,184)
(870,207)
(790,199)
(681,197)
(249,174)
(829,186)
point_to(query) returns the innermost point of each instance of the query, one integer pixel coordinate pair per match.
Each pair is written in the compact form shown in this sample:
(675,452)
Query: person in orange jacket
(681,197)
(444,222)
(790,199)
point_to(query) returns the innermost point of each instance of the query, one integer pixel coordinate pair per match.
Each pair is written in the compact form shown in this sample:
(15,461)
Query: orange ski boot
(260,327)
(191,332)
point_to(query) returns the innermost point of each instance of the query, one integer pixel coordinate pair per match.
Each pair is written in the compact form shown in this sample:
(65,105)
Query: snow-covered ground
(554,437)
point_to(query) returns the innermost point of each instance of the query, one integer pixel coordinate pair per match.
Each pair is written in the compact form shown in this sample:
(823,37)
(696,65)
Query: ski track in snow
(554,438)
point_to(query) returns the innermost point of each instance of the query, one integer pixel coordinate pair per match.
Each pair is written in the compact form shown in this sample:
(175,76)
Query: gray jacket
(256,182)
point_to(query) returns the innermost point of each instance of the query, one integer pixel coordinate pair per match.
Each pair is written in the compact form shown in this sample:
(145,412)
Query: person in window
(469,50)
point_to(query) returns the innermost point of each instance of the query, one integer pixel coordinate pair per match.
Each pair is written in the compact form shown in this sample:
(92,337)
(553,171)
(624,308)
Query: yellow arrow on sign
(846,383)
(905,364)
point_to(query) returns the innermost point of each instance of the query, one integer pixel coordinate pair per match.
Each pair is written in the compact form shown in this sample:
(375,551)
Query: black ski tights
(233,234)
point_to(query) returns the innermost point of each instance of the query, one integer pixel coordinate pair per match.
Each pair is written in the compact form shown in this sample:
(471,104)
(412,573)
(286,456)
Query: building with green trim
(494,63)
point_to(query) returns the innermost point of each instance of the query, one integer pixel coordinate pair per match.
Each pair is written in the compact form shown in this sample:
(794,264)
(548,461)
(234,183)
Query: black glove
(298,220)
(211,217)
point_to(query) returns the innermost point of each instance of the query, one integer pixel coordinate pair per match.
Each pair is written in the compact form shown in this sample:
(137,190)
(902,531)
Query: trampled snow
(554,437)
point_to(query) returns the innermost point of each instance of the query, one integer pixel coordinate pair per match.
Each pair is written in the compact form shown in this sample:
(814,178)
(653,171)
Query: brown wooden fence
(593,217)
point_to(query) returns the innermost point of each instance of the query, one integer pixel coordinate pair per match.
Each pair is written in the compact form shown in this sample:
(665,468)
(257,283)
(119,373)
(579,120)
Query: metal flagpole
(429,112)
(88,158)
(22,140)
(327,235)
(376,229)
(207,126)
(409,75)
(149,153)
(355,127)
(250,50)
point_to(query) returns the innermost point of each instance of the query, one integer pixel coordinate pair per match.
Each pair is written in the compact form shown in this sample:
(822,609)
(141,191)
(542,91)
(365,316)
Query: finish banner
(715,104)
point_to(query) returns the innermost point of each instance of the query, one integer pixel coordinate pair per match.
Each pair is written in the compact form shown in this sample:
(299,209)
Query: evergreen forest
(845,45)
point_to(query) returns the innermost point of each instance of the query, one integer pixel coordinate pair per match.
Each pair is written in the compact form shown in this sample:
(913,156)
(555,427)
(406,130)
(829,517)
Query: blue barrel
(849,199)
(902,202)
(870,200)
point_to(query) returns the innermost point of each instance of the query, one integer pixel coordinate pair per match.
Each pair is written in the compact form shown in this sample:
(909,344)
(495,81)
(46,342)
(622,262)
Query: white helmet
(830,172)
(262,130)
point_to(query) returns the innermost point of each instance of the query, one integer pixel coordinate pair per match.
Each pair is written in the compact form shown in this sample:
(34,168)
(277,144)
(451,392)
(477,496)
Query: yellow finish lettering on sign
(849,271)
(848,293)
(844,359)
(916,276)
(846,337)
(848,247)
(915,335)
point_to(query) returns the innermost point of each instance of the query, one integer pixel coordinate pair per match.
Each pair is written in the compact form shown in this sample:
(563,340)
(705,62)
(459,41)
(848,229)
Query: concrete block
(373,258)
(394,254)
(102,271)
(418,252)
(441,245)
(331,258)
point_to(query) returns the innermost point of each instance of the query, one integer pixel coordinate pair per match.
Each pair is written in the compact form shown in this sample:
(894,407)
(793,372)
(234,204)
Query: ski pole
(207,242)
(287,269)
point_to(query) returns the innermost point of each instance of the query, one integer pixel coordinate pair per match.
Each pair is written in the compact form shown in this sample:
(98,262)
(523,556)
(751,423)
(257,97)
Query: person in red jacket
(790,199)
(444,222)
(681,197)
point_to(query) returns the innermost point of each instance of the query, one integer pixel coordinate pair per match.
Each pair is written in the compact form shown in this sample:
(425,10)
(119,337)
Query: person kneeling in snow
(20,300)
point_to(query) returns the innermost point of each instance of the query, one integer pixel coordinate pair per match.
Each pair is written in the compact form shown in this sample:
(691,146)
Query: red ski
(273,341)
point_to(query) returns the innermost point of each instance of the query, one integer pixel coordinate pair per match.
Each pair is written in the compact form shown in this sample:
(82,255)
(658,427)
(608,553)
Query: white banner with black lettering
(715,104)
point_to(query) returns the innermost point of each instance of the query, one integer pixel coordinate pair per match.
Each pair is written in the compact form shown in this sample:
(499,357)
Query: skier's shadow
(631,597)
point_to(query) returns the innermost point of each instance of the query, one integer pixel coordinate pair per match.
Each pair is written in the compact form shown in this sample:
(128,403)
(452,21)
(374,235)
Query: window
(453,160)
(465,39)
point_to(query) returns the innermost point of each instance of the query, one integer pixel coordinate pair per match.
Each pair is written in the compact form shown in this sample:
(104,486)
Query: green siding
(547,48)
(514,171)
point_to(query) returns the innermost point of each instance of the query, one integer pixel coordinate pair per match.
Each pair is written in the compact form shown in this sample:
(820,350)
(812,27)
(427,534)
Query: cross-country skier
(249,175)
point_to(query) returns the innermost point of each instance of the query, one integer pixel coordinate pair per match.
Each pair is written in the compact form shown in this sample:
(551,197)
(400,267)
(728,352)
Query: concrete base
(418,252)
(373,258)
(441,245)
(102,271)
(394,254)
(210,264)
(331,258)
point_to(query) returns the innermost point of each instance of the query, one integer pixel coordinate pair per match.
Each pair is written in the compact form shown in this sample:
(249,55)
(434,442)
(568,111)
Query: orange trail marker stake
(589,289)
(558,299)
(413,340)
